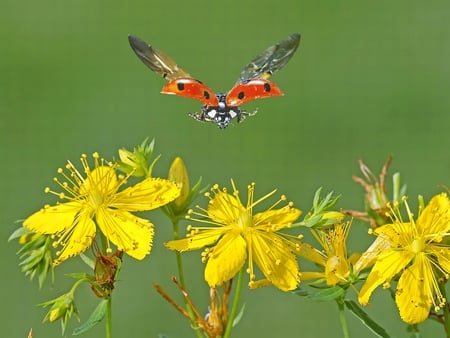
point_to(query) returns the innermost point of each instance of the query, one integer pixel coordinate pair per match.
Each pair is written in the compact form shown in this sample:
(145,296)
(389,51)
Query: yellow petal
(54,219)
(413,295)
(277,219)
(308,275)
(435,217)
(102,178)
(129,233)
(310,253)
(275,259)
(442,253)
(225,259)
(336,270)
(386,267)
(149,194)
(197,241)
(225,208)
(77,238)
(369,257)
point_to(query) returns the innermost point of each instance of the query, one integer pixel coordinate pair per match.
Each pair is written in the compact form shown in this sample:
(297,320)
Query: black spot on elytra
(206,95)
(180,86)
(241,95)
(267,87)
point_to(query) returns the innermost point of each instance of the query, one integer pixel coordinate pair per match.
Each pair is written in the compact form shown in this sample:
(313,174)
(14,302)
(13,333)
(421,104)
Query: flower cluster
(410,253)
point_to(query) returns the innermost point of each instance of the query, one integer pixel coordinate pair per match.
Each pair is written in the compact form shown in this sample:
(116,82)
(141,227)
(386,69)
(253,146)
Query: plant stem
(446,312)
(176,235)
(108,319)
(234,308)
(108,323)
(342,318)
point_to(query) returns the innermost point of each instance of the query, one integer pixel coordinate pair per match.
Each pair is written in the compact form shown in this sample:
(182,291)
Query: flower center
(244,220)
(418,245)
(96,199)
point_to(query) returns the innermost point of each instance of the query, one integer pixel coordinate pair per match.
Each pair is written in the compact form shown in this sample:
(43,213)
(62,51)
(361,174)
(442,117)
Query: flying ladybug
(221,108)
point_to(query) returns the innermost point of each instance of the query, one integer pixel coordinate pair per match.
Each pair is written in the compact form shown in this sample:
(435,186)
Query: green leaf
(89,261)
(18,233)
(323,295)
(365,319)
(95,318)
(327,294)
(239,316)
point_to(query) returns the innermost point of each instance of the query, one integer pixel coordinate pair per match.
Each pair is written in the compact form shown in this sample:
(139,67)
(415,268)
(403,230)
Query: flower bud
(179,175)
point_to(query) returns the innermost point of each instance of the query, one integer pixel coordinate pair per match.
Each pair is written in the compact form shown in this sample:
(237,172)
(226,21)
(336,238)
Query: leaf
(324,295)
(18,233)
(239,316)
(365,319)
(89,262)
(327,294)
(95,318)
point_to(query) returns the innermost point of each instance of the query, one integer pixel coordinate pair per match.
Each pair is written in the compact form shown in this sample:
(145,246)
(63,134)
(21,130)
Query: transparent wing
(156,60)
(271,60)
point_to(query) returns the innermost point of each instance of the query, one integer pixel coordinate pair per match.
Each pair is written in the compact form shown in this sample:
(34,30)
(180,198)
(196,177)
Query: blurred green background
(370,79)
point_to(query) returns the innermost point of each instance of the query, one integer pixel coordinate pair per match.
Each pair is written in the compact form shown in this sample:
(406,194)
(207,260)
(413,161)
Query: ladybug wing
(156,60)
(180,82)
(251,90)
(271,60)
(193,89)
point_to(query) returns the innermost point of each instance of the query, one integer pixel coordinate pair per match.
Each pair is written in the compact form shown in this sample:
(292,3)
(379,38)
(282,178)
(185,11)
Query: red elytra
(238,95)
(218,107)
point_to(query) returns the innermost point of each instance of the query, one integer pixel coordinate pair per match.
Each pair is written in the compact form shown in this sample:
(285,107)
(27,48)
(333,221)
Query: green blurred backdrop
(370,79)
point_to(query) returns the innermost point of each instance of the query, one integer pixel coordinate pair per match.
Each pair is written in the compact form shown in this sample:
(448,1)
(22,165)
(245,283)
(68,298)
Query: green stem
(108,323)
(176,235)
(445,310)
(234,308)
(342,318)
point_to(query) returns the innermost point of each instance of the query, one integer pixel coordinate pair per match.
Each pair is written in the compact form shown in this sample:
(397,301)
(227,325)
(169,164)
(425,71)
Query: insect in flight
(221,108)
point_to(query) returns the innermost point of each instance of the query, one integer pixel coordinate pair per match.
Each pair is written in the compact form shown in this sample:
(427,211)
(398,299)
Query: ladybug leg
(197,116)
(244,114)
(203,115)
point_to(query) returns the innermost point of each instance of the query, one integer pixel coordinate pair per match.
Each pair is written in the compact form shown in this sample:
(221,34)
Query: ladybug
(221,108)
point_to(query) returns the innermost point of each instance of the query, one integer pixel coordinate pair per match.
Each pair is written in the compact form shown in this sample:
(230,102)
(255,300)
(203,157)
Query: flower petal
(414,291)
(275,259)
(53,219)
(442,253)
(102,178)
(77,238)
(225,208)
(225,259)
(129,233)
(196,241)
(149,194)
(386,267)
(435,217)
(277,219)
(369,257)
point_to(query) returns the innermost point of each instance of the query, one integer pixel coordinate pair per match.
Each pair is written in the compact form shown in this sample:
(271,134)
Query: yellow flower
(418,251)
(95,201)
(334,258)
(234,233)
